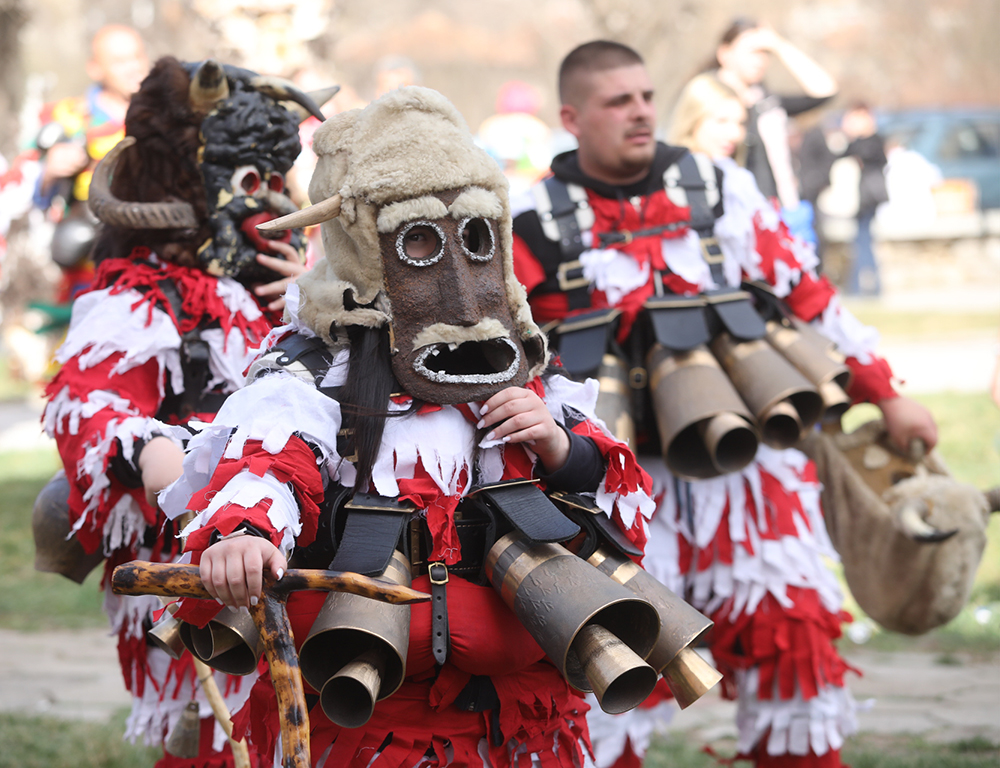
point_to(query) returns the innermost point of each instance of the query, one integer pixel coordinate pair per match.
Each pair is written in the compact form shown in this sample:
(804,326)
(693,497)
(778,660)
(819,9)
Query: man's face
(119,62)
(453,332)
(746,57)
(614,121)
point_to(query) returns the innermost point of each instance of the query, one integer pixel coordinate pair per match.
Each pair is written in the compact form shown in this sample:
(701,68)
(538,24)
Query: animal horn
(911,518)
(134,215)
(319,97)
(993,499)
(208,85)
(314,214)
(282,90)
(281,203)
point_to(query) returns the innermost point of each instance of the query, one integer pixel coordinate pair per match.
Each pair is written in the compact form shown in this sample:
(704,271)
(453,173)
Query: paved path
(75,674)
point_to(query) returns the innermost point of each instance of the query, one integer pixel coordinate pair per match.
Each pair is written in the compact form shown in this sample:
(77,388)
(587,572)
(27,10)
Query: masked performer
(409,376)
(181,293)
(637,250)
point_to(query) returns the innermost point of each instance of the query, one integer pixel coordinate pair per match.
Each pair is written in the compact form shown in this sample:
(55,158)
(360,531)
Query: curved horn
(993,499)
(911,519)
(281,203)
(865,434)
(314,214)
(280,89)
(208,85)
(122,213)
(320,97)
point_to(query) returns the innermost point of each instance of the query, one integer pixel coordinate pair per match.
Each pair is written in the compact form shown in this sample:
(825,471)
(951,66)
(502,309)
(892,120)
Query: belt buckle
(567,283)
(711,258)
(437,579)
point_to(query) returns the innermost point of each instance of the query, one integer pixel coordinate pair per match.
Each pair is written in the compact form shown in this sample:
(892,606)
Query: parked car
(962,143)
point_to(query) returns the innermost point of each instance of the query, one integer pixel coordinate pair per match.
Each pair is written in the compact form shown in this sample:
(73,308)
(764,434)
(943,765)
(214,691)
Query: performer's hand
(290,266)
(907,419)
(160,463)
(62,161)
(517,415)
(232,570)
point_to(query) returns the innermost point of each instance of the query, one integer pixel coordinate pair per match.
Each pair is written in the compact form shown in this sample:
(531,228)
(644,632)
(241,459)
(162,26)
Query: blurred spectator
(515,137)
(818,150)
(76,133)
(393,72)
(868,148)
(741,61)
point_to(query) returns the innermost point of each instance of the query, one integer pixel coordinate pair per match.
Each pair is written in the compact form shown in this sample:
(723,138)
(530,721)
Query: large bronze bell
(815,357)
(185,737)
(355,654)
(681,626)
(595,631)
(769,384)
(614,399)
(705,428)
(229,643)
(56,550)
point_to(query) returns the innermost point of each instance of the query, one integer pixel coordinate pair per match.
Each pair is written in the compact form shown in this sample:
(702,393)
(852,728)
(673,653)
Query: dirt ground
(75,675)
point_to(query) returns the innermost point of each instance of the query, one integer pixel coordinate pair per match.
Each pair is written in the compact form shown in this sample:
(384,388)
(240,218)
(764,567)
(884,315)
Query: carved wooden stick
(173,580)
(241,753)
(271,618)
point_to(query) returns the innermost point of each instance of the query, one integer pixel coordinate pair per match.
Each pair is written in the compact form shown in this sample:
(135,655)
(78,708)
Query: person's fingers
(290,264)
(253,565)
(205,569)
(503,405)
(276,563)
(236,582)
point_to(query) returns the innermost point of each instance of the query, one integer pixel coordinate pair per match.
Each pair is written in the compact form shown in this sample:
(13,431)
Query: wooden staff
(271,617)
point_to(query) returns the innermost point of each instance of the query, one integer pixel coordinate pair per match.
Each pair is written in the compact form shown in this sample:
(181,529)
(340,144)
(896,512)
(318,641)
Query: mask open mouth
(472,362)
(262,241)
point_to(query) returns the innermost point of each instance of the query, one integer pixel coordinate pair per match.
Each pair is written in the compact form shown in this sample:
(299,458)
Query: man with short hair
(624,219)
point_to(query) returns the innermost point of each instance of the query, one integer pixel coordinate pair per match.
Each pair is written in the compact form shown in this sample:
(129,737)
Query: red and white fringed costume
(746,548)
(271,469)
(120,362)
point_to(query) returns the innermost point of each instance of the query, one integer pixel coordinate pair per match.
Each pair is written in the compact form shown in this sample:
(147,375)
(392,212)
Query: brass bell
(614,399)
(166,636)
(687,674)
(56,550)
(594,630)
(705,428)
(229,642)
(815,357)
(185,736)
(355,654)
(765,379)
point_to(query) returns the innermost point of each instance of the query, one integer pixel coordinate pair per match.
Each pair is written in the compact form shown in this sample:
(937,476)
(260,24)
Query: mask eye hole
(419,243)
(276,182)
(477,239)
(245,180)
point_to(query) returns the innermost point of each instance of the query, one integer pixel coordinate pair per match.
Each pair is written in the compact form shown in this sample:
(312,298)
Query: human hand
(905,420)
(518,415)
(62,161)
(290,266)
(160,463)
(766,39)
(232,570)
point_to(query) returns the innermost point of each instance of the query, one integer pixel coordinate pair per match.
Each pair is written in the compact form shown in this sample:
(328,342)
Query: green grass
(923,324)
(863,751)
(43,742)
(30,600)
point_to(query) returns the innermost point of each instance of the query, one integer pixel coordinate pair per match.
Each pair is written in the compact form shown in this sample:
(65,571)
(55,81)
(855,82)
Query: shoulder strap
(691,182)
(565,214)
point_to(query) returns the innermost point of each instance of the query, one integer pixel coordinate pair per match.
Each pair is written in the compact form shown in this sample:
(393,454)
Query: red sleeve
(295,465)
(527,268)
(810,297)
(77,431)
(870,383)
